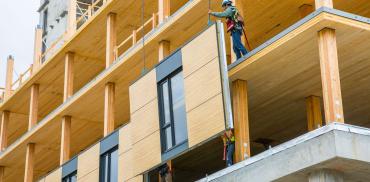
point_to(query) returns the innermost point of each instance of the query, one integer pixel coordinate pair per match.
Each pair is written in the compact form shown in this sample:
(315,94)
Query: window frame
(163,125)
(67,178)
(102,163)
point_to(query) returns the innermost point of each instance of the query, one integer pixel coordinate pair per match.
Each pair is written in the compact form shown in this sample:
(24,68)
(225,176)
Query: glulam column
(34,102)
(163,10)
(29,163)
(4,130)
(163,50)
(241,120)
(109,100)
(323,3)
(111,39)
(330,78)
(313,110)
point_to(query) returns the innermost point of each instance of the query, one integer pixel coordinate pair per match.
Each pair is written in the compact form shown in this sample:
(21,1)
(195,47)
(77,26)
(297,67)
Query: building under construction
(122,90)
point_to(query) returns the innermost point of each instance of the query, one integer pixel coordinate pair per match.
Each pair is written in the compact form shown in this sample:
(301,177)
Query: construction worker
(234,25)
(229,147)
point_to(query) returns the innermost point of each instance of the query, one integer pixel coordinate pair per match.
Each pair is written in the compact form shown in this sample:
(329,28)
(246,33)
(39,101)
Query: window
(71,177)
(172,111)
(45,21)
(109,166)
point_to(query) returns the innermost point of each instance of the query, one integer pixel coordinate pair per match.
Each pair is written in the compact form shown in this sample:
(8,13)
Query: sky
(18,19)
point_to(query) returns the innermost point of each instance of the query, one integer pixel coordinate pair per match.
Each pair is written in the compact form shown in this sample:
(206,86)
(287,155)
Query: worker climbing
(229,147)
(235,25)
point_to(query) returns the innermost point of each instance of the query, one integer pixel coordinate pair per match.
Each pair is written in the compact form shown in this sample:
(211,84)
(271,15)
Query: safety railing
(133,38)
(86,10)
(52,48)
(22,77)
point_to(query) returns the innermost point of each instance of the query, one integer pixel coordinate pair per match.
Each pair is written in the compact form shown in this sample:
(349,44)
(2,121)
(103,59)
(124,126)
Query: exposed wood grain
(65,139)
(164,50)
(305,10)
(9,77)
(34,104)
(4,130)
(68,76)
(163,10)
(241,120)
(37,48)
(313,109)
(332,95)
(111,41)
(72,19)
(109,110)
(29,165)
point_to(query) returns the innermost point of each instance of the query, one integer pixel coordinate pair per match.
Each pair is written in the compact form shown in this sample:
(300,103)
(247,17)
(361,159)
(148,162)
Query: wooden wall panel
(206,121)
(145,121)
(54,176)
(202,85)
(143,91)
(203,88)
(199,51)
(147,153)
(125,143)
(125,166)
(88,164)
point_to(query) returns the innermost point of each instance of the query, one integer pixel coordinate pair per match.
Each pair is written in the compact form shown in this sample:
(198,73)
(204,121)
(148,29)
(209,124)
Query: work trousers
(230,154)
(238,46)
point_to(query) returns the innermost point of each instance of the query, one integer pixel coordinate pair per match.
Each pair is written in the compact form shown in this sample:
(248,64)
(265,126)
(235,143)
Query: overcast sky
(18,19)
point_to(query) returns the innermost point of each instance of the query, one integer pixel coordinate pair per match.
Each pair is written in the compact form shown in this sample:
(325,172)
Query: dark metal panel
(169,65)
(109,142)
(175,151)
(69,167)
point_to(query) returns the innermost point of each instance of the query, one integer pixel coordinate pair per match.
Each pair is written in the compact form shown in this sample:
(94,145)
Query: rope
(143,35)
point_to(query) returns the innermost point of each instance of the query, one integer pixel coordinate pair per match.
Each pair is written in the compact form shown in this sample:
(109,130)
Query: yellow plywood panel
(203,84)
(125,166)
(143,91)
(145,121)
(125,143)
(147,153)
(138,178)
(54,176)
(206,121)
(93,176)
(199,51)
(88,161)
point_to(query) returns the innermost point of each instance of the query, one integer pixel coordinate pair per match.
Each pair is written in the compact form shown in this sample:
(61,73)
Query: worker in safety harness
(229,147)
(234,25)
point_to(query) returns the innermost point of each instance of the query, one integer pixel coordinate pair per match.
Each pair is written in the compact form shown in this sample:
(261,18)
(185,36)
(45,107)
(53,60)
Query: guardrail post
(37,48)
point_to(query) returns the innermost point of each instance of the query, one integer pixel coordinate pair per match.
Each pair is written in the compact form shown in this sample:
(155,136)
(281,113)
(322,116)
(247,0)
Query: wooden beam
(34,102)
(72,18)
(29,164)
(241,120)
(4,130)
(65,139)
(111,38)
(313,109)
(109,101)
(305,10)
(37,50)
(164,50)
(323,3)
(68,75)
(164,11)
(2,174)
(9,77)
(330,76)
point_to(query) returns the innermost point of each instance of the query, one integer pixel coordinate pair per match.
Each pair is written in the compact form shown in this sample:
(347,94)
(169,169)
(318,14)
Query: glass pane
(105,164)
(114,166)
(179,112)
(166,103)
(168,134)
(74,178)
